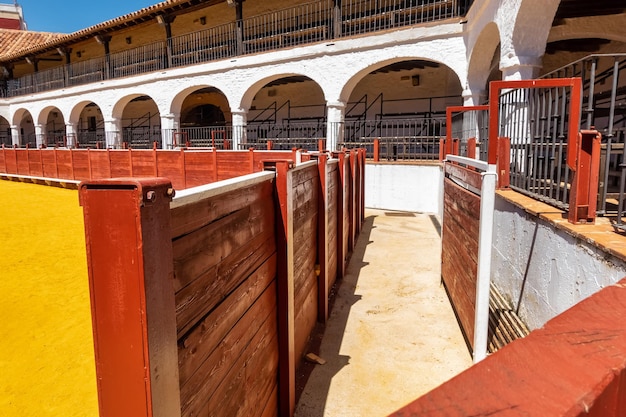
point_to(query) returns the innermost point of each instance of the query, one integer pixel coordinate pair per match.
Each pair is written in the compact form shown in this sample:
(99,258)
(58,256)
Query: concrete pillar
(240,122)
(520,67)
(474,97)
(15,135)
(113,133)
(335,126)
(71,134)
(169,125)
(40,135)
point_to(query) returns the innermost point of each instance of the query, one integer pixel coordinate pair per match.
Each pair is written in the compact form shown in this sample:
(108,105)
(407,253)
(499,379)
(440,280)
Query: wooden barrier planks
(225,282)
(460,252)
(243,260)
(332,236)
(305,193)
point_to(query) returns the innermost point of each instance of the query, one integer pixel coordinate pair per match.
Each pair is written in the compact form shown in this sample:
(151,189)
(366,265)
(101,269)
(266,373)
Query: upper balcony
(320,21)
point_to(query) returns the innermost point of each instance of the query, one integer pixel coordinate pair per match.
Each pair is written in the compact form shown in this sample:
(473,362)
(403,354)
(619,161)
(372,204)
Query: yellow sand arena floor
(46,346)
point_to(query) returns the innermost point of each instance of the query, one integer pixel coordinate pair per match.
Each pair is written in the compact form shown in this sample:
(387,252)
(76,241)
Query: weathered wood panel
(143,163)
(306,185)
(460,252)
(225,281)
(231,164)
(333,194)
(199,168)
(170,164)
(100,164)
(10,160)
(120,163)
(64,164)
(21,162)
(347,208)
(35,166)
(49,163)
(80,164)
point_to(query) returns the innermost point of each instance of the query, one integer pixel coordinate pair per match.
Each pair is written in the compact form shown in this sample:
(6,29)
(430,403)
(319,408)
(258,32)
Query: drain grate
(399,214)
(504,323)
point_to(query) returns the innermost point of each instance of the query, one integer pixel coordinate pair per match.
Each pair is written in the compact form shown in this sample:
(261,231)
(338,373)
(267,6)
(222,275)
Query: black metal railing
(603,108)
(298,25)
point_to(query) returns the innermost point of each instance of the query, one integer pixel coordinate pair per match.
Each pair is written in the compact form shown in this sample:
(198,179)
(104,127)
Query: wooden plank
(190,217)
(205,293)
(197,252)
(169,166)
(196,346)
(64,164)
(252,359)
(460,251)
(120,163)
(142,163)
(80,164)
(464,174)
(198,168)
(199,387)
(10,160)
(48,162)
(100,164)
(271,405)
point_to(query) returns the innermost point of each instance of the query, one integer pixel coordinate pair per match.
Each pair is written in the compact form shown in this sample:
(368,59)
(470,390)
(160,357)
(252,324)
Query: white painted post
(335,121)
(485,238)
(239,122)
(15,135)
(71,133)
(169,124)
(40,134)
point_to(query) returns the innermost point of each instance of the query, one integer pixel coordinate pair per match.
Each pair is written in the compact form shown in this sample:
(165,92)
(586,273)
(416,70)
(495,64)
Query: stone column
(40,135)
(71,134)
(113,133)
(474,97)
(15,135)
(335,124)
(520,67)
(169,126)
(240,123)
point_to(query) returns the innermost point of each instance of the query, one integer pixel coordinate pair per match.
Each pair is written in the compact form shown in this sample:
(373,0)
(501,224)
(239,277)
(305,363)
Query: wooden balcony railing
(303,24)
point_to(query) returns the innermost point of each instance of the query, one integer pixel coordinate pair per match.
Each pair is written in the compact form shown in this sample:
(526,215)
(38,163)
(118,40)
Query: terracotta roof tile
(15,41)
(134,17)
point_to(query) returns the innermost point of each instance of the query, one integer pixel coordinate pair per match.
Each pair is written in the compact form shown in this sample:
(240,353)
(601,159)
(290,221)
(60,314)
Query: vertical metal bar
(590,98)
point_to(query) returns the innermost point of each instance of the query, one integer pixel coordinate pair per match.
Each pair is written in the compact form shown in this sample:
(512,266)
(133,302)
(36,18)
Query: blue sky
(71,15)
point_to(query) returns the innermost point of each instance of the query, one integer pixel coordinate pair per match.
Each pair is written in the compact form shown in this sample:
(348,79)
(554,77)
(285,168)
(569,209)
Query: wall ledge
(603,235)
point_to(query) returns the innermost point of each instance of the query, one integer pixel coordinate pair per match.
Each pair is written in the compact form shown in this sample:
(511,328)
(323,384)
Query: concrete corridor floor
(392,335)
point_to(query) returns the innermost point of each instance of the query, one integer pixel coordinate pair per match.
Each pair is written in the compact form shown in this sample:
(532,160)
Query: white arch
(481,57)
(119,104)
(176,102)
(77,109)
(256,85)
(42,116)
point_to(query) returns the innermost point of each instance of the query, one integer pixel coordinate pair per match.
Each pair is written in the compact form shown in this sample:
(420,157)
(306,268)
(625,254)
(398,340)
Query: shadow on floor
(340,312)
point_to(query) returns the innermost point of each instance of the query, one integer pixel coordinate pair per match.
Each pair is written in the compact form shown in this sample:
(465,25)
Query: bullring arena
(46,359)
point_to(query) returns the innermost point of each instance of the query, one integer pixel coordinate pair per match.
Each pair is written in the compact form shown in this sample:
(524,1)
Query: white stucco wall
(414,188)
(543,270)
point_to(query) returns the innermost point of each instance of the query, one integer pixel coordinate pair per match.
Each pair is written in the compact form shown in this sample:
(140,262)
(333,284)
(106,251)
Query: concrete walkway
(392,335)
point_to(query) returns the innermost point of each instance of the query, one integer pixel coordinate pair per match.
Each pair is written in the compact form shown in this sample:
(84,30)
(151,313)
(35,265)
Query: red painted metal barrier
(583,157)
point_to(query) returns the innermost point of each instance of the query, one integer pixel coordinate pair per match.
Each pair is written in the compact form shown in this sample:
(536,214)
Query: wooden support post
(341,210)
(471,148)
(503,164)
(376,150)
(269,145)
(320,145)
(351,201)
(363,165)
(129,255)
(322,241)
(583,157)
(214,156)
(442,149)
(251,161)
(285,278)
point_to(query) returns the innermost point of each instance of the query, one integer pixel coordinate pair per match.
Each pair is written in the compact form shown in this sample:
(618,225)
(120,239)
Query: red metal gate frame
(583,148)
